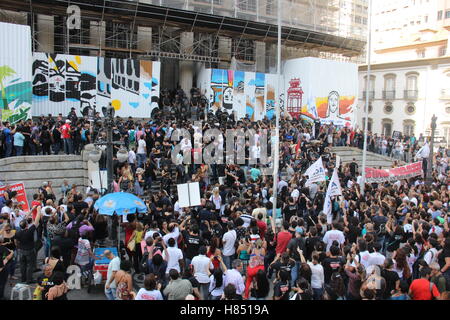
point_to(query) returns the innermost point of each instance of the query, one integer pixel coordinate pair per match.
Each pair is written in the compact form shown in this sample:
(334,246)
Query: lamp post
(430,157)
(366,113)
(122,154)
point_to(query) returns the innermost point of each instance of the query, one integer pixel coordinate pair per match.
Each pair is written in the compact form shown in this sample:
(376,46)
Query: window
(439,16)
(270,7)
(442,51)
(421,53)
(247,5)
(411,81)
(410,109)
(426,19)
(358,19)
(408,127)
(371,84)
(386,127)
(388,108)
(447,108)
(447,14)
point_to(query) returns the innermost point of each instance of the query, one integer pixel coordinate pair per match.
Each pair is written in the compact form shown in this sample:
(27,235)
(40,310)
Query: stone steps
(34,170)
(373,160)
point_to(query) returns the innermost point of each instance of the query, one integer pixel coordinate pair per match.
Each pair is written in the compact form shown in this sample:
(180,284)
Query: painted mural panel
(249,91)
(15,72)
(270,94)
(156,71)
(315,88)
(260,112)
(218,84)
(88,89)
(239,99)
(61,82)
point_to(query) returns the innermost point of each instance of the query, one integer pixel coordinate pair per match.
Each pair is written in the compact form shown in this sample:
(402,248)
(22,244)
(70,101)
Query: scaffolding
(111,28)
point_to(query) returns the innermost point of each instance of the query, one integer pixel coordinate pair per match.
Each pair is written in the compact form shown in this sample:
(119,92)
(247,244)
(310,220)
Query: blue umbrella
(121,203)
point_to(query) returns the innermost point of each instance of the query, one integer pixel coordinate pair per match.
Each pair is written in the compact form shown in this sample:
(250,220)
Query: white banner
(315,173)
(334,189)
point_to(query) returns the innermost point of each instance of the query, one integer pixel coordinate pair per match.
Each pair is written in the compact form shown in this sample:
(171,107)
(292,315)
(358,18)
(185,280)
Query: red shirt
(420,290)
(283,238)
(262,228)
(34,212)
(65,131)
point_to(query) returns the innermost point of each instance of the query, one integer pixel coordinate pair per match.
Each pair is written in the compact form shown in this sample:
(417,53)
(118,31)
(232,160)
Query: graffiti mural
(61,82)
(270,86)
(239,99)
(15,73)
(238,91)
(315,88)
(260,109)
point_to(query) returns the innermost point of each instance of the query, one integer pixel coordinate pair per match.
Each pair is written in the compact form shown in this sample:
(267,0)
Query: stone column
(260,56)
(45,35)
(224,52)
(98,32)
(144,38)
(186,67)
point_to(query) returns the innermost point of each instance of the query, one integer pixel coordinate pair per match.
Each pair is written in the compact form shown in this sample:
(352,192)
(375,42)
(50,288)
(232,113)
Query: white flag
(334,189)
(315,173)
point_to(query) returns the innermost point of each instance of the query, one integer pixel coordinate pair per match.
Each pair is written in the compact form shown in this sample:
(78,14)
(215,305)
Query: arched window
(411,91)
(386,127)
(371,87)
(408,127)
(389,86)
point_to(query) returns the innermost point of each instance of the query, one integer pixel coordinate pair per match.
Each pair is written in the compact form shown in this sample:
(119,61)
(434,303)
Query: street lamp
(96,153)
(429,179)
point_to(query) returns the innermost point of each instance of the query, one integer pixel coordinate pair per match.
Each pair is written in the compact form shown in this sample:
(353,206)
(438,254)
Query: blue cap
(299,230)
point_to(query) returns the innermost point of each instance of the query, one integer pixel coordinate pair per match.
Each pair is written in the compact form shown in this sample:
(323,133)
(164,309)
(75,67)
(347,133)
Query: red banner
(21,194)
(394,174)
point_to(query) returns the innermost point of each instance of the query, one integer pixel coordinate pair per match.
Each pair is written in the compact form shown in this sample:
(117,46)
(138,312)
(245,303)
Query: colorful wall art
(62,82)
(15,72)
(318,88)
(240,92)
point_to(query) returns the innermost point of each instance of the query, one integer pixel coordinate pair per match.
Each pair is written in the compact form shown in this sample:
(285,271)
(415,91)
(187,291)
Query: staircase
(374,160)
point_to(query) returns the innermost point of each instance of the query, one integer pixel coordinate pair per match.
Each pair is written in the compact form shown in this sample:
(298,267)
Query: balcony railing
(389,94)
(411,94)
(371,95)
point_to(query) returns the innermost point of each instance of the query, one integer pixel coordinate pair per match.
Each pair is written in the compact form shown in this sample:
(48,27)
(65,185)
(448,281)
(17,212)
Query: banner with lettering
(394,174)
(21,196)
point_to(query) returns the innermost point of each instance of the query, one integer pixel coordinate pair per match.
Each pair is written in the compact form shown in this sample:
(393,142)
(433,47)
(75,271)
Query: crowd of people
(390,242)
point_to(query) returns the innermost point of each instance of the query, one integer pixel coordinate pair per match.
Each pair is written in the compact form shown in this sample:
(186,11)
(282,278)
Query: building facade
(185,35)
(410,77)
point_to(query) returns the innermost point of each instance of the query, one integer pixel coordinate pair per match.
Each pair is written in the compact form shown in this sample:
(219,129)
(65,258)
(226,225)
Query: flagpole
(276,158)
(366,119)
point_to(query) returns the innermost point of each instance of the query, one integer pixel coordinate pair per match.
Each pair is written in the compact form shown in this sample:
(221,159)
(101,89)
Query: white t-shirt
(375,259)
(295,193)
(175,254)
(149,234)
(365,256)
(201,264)
(7,210)
(317,275)
(144,294)
(229,238)
(333,235)
(141,146)
(45,208)
(114,265)
(431,256)
(174,234)
(131,157)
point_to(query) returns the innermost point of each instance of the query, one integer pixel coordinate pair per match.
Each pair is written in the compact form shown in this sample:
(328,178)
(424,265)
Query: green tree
(5,71)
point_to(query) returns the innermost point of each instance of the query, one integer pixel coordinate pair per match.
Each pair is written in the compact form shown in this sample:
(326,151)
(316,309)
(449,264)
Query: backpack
(74,232)
(382,229)
(132,135)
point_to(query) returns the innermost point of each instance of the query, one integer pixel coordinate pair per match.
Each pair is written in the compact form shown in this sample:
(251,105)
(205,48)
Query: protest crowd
(391,242)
